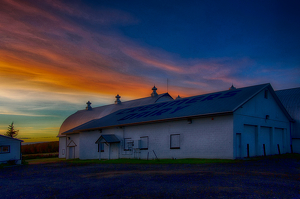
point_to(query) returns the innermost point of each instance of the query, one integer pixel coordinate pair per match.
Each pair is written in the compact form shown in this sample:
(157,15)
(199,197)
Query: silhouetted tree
(11,132)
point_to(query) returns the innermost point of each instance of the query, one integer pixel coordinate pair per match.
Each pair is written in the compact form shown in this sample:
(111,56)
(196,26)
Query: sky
(56,55)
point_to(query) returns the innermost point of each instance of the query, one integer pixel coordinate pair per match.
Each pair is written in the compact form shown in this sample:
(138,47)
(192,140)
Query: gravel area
(268,178)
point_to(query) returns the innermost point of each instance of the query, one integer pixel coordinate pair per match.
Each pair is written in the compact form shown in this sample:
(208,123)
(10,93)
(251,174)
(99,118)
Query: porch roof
(108,139)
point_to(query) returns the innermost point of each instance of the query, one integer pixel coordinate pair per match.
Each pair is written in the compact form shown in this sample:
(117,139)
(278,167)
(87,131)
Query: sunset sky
(56,55)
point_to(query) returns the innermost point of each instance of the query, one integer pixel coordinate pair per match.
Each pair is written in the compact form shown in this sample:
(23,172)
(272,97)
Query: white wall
(62,147)
(15,147)
(265,131)
(203,138)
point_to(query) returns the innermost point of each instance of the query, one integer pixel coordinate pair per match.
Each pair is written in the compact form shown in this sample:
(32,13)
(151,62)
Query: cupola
(178,97)
(232,87)
(88,107)
(154,93)
(118,101)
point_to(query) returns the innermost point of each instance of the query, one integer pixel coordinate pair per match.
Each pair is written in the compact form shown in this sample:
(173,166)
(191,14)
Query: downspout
(109,151)
(291,140)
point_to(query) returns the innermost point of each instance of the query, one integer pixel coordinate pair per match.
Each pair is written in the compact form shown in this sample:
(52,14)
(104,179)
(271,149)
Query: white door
(264,139)
(71,152)
(249,141)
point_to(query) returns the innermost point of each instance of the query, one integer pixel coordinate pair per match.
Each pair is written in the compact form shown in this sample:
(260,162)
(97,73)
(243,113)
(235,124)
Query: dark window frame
(126,149)
(266,94)
(6,151)
(174,147)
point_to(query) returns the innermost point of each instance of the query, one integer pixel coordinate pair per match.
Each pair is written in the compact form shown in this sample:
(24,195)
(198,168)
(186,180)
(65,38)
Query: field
(271,177)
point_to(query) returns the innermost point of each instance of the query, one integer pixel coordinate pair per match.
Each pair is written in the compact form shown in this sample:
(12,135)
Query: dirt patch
(278,178)
(119,173)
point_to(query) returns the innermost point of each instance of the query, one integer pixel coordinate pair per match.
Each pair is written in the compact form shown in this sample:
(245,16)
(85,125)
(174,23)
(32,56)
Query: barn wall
(261,123)
(62,147)
(203,138)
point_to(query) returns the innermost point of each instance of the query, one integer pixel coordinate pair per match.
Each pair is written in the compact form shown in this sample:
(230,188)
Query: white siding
(254,113)
(62,147)
(203,138)
(15,150)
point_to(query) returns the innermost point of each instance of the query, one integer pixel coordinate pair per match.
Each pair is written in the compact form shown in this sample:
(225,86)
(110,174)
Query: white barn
(230,124)
(10,149)
(290,99)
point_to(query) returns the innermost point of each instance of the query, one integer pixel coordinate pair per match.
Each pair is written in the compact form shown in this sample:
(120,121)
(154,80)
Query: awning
(107,139)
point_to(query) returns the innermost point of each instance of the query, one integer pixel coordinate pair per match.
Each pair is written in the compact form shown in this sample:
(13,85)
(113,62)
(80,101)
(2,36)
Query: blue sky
(56,55)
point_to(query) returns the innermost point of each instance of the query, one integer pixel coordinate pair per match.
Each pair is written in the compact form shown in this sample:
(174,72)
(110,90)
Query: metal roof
(225,102)
(11,138)
(108,138)
(83,116)
(290,99)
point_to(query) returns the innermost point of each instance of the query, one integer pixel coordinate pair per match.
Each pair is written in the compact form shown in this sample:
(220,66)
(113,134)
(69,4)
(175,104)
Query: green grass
(39,156)
(44,160)
(160,161)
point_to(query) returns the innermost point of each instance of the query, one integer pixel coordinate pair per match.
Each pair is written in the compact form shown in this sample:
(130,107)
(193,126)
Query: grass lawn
(160,161)
(44,160)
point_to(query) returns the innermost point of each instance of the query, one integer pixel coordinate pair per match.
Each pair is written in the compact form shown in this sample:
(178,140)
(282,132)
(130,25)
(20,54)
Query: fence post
(278,149)
(248,150)
(264,146)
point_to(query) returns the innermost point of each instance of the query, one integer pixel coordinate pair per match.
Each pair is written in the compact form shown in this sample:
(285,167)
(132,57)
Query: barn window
(144,142)
(266,94)
(4,149)
(175,141)
(128,143)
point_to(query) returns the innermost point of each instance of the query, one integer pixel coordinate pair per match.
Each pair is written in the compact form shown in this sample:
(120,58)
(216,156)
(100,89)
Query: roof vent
(232,87)
(178,97)
(154,93)
(88,107)
(118,101)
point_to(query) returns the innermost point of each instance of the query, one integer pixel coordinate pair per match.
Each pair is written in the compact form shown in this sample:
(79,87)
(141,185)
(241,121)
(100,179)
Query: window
(144,142)
(175,141)
(266,94)
(101,146)
(4,149)
(128,143)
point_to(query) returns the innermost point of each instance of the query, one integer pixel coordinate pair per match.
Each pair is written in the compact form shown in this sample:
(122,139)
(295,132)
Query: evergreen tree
(11,132)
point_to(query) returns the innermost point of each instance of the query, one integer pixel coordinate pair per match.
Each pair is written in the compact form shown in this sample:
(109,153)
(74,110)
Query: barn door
(249,141)
(71,152)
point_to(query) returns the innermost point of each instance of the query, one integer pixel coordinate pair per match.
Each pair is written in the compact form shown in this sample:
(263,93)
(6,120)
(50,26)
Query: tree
(11,132)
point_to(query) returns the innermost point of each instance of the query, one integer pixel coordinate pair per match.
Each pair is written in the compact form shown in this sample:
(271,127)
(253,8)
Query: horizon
(57,55)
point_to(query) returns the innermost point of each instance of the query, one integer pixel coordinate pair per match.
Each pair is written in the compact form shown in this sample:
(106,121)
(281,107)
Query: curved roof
(83,116)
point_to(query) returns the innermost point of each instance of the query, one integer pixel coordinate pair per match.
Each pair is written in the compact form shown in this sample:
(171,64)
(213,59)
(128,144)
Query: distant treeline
(45,147)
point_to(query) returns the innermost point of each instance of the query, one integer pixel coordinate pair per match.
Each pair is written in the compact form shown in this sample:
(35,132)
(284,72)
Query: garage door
(264,139)
(249,141)
(278,140)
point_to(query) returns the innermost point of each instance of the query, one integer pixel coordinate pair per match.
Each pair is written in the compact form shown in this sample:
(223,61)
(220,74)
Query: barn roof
(290,99)
(224,102)
(83,116)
